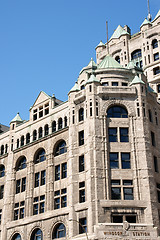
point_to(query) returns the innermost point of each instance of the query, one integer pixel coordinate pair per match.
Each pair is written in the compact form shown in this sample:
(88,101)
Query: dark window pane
(128,193)
(124,135)
(117,112)
(117,219)
(112,134)
(125,158)
(116,193)
(113,160)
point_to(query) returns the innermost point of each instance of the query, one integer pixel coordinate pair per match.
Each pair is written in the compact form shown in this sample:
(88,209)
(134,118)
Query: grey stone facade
(89,168)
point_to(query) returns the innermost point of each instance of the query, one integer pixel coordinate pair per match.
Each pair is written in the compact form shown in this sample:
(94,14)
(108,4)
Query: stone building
(88,168)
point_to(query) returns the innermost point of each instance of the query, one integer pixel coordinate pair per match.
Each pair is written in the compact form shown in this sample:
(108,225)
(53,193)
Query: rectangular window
(112,132)
(125,160)
(23,185)
(124,84)
(122,190)
(81,138)
(82,192)
(124,135)
(82,225)
(156,70)
(19,210)
(114,83)
(60,198)
(18,186)
(155,164)
(39,205)
(63,198)
(156,56)
(150,115)
(120,218)
(36,182)
(113,157)
(64,170)
(81,163)
(153,139)
(43,177)
(57,172)
(1,191)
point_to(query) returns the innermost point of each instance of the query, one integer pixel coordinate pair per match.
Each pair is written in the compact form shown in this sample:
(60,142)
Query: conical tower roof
(136,80)
(118,32)
(92,79)
(75,88)
(109,62)
(145,22)
(17,118)
(92,63)
(101,44)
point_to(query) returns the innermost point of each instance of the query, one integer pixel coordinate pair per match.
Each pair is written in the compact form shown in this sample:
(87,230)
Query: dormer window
(34,114)
(40,111)
(46,110)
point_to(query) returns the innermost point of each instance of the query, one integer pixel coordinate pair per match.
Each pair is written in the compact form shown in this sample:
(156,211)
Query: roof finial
(149,14)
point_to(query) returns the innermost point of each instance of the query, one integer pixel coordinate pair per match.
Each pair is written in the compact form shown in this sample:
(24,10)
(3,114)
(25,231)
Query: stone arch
(56,221)
(37,152)
(124,103)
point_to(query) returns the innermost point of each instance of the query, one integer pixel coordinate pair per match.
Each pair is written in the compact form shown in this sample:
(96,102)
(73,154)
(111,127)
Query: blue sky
(45,43)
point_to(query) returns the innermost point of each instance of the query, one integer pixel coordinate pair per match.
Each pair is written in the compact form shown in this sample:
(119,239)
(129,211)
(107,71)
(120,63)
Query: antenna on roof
(107,37)
(149,14)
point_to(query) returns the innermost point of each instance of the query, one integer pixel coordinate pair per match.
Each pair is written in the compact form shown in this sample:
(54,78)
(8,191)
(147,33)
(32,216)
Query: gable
(42,97)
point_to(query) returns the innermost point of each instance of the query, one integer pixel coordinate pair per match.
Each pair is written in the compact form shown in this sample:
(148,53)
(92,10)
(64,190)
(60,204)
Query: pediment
(42,97)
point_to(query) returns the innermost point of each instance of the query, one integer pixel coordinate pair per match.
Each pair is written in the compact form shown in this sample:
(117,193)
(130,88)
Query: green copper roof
(158,15)
(146,22)
(119,32)
(17,118)
(101,44)
(75,88)
(109,62)
(136,80)
(151,89)
(92,63)
(92,79)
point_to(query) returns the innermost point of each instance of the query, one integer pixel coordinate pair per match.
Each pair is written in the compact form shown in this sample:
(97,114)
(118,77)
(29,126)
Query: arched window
(81,114)
(40,156)
(117,112)
(37,234)
(117,58)
(34,135)
(2,149)
(40,132)
(16,236)
(27,138)
(53,126)
(61,148)
(154,43)
(59,123)
(2,171)
(22,141)
(21,163)
(65,121)
(59,231)
(46,130)
(136,54)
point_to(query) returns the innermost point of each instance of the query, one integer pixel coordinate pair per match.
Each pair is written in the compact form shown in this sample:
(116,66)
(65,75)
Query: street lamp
(81,227)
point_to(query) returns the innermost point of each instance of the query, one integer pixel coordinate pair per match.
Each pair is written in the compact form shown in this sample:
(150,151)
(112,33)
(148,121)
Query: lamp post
(81,227)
